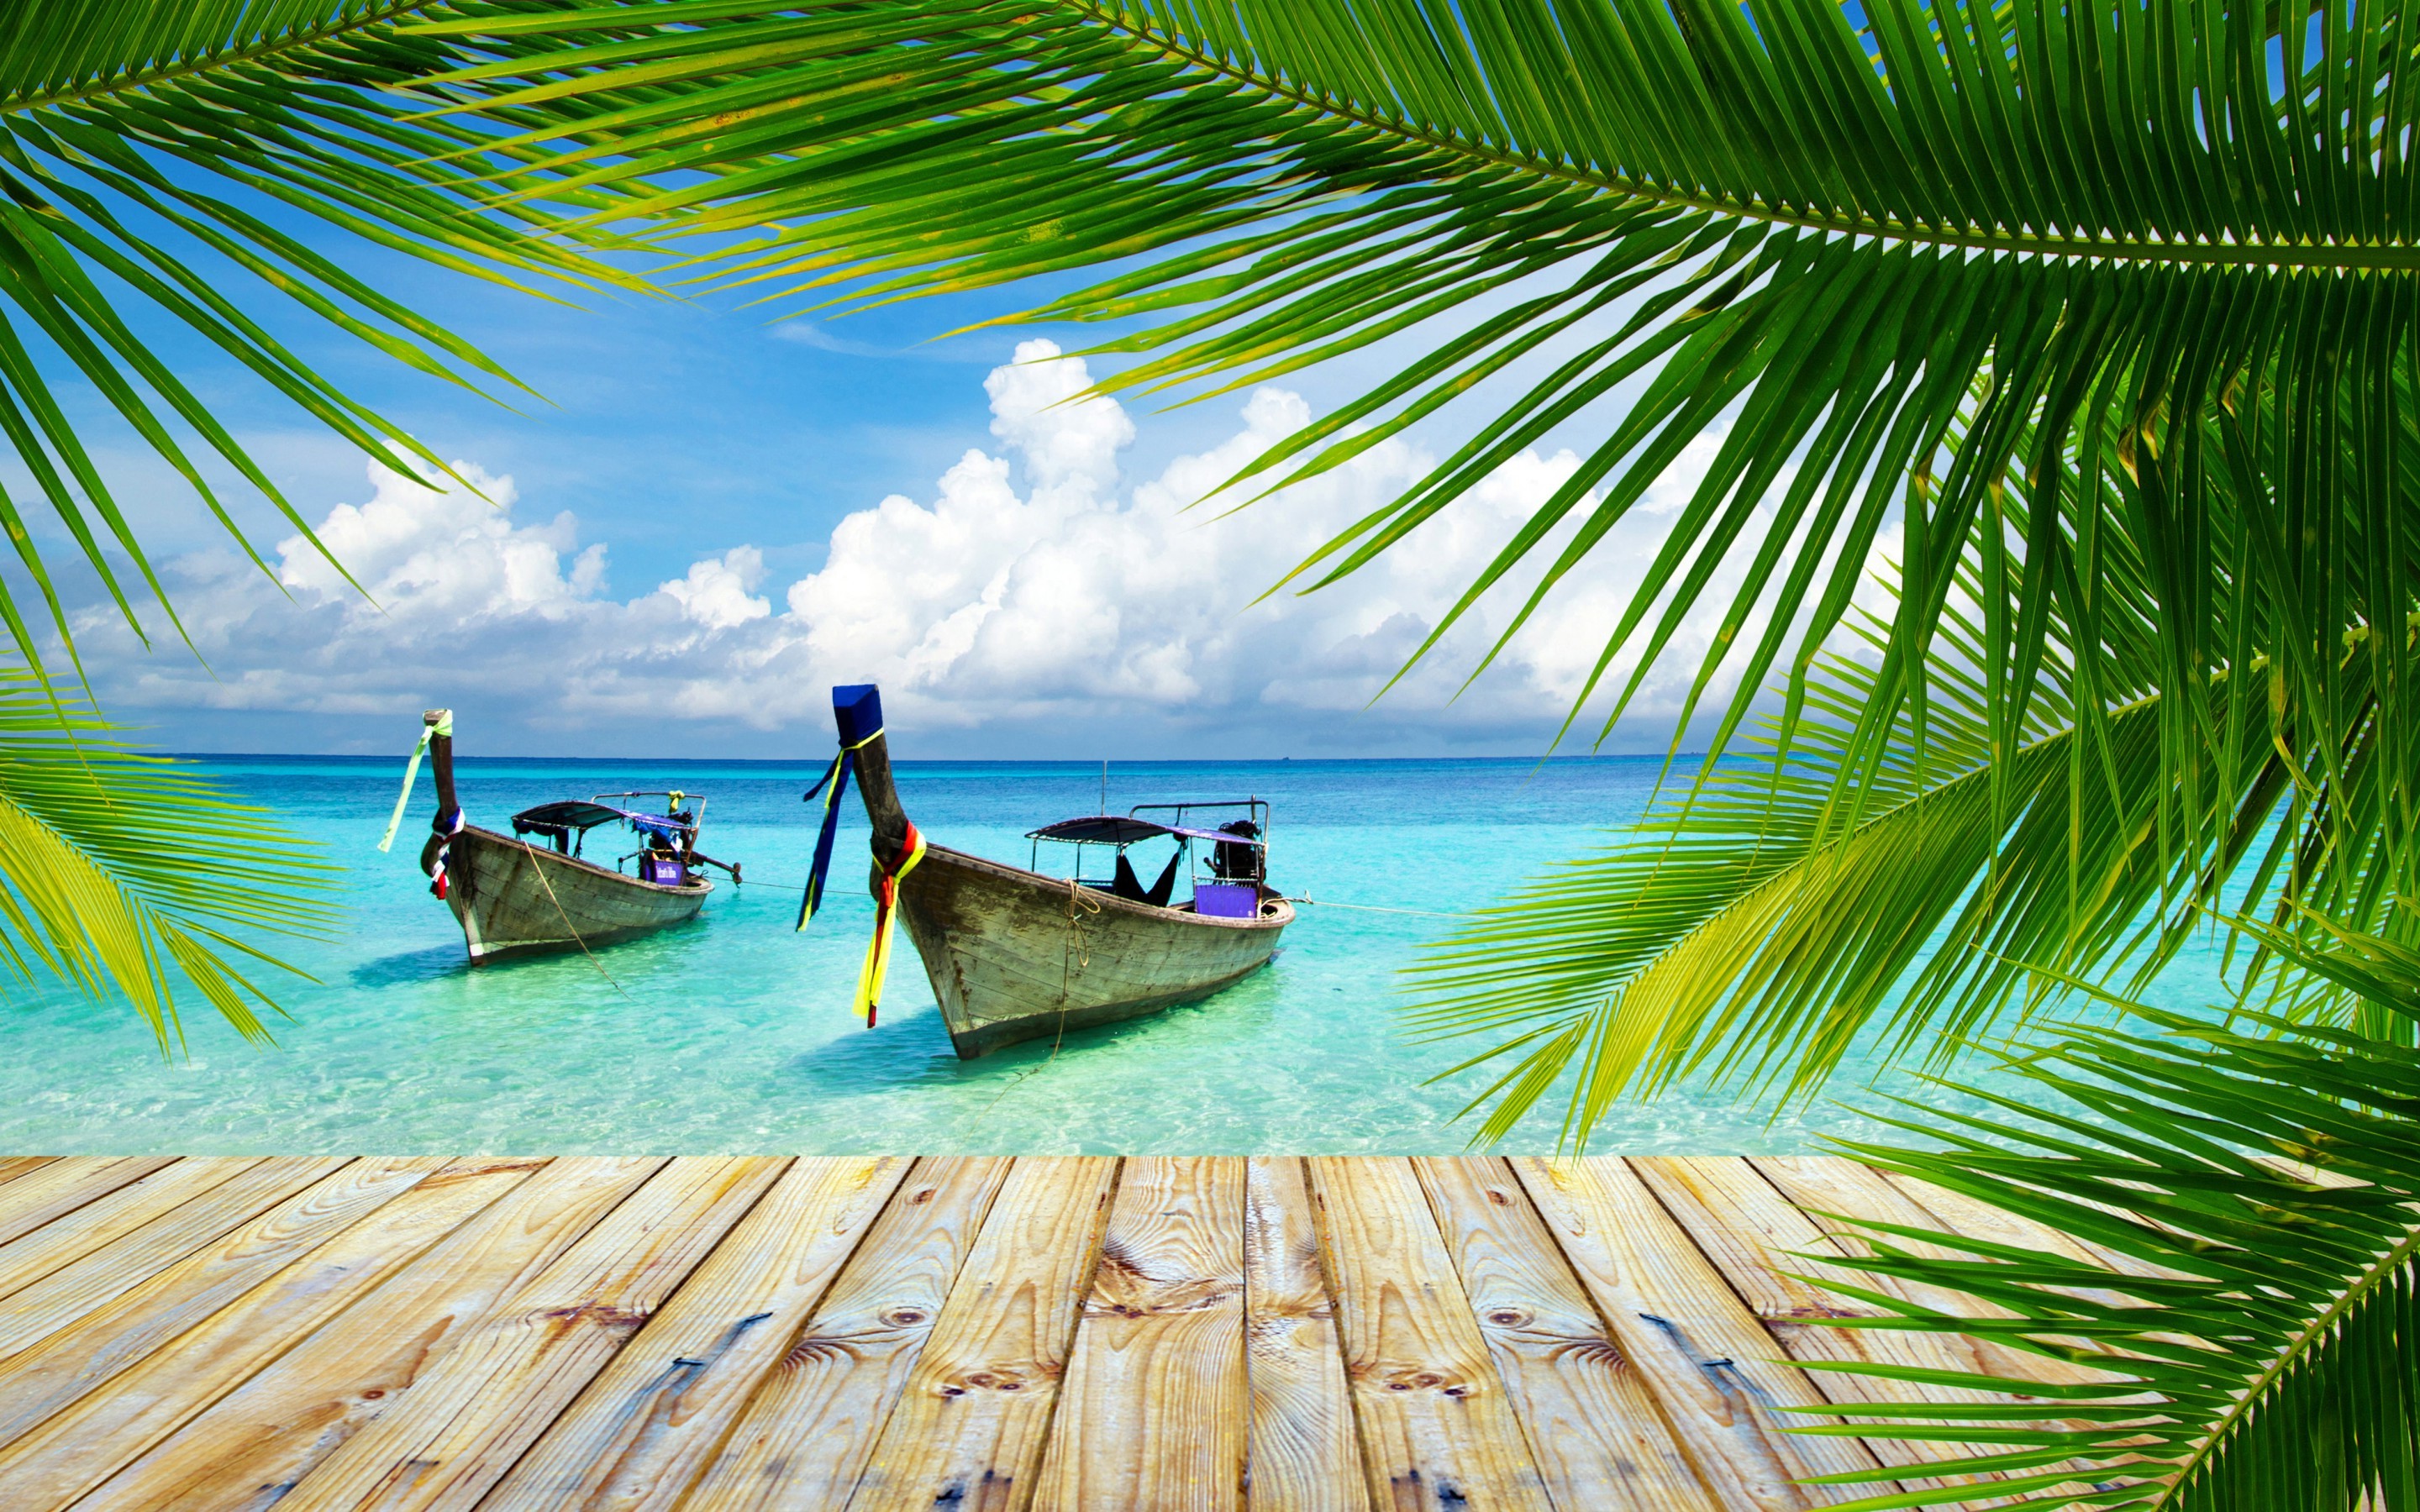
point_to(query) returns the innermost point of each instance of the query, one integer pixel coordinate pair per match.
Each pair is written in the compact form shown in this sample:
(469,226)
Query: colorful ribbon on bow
(886,914)
(831,785)
(443,726)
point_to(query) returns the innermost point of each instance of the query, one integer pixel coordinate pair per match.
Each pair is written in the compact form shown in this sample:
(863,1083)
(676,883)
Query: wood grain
(466,1421)
(1822,1185)
(1593,1423)
(53,1189)
(1767,1249)
(1304,1453)
(1152,1414)
(13,1166)
(806,1435)
(41,1308)
(648,1422)
(256,1443)
(1703,1353)
(1437,1430)
(1234,1334)
(77,1359)
(72,1236)
(78,1448)
(968,1432)
(1977,1219)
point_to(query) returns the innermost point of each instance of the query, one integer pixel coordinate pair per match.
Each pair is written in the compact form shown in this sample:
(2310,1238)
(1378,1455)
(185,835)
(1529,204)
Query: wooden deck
(1195,1334)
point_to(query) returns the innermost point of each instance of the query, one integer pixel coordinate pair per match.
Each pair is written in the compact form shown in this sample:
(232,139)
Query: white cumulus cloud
(1036,583)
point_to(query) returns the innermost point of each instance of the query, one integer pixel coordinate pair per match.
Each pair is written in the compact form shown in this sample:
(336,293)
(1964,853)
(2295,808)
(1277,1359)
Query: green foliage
(2116,221)
(116,122)
(123,876)
(2260,1184)
(1864,866)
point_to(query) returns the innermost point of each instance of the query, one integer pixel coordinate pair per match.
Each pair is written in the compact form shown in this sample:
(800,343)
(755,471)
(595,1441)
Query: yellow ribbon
(886,914)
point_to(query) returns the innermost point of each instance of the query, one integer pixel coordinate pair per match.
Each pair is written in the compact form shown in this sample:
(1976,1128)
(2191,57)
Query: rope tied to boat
(1374,908)
(1079,950)
(886,914)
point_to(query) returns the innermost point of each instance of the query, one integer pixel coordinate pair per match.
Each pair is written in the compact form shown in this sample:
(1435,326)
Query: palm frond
(123,876)
(1870,870)
(2188,228)
(2262,1182)
(145,150)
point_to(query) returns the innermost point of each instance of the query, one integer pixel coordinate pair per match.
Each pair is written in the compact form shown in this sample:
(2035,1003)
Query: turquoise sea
(734,1034)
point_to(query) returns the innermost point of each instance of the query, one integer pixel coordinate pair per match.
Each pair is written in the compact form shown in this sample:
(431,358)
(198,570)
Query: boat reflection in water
(1015,954)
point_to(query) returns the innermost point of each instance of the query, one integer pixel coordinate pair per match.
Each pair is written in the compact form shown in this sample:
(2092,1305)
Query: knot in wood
(1423,1381)
(995,1378)
(601,1314)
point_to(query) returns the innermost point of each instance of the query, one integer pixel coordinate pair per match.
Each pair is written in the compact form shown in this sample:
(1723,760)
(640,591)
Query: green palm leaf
(2108,220)
(2263,1185)
(125,877)
(1866,870)
(142,149)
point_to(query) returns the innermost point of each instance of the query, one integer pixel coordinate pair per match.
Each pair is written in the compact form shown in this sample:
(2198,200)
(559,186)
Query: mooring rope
(1372,909)
(540,868)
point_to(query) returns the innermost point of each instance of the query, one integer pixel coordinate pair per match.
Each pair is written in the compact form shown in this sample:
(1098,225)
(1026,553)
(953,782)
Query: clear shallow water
(734,1034)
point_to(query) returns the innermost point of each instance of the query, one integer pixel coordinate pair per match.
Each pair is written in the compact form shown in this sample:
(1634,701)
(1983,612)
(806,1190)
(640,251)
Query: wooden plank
(1818,1185)
(1704,1354)
(1754,1234)
(92,1281)
(253,1446)
(968,1432)
(60,1187)
(806,1435)
(1151,1415)
(1977,1219)
(1823,1185)
(78,1448)
(1593,1423)
(1304,1454)
(648,1422)
(13,1166)
(27,1260)
(78,1359)
(466,1420)
(1437,1430)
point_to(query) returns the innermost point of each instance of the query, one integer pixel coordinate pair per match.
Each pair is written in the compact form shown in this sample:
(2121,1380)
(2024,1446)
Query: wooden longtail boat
(1015,954)
(515,897)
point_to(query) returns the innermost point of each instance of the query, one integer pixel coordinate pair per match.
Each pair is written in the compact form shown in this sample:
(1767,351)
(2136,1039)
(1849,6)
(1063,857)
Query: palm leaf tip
(123,876)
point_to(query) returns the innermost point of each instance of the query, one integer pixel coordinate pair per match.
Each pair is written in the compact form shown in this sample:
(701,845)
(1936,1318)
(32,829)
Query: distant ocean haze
(734,1033)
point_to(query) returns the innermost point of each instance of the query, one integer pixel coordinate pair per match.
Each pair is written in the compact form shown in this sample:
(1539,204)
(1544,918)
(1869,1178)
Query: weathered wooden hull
(1016,955)
(513,898)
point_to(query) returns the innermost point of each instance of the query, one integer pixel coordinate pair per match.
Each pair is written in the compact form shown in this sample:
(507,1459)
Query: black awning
(568,813)
(1100,829)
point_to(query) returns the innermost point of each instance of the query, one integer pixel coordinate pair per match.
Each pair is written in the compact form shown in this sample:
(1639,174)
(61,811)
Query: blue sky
(695,541)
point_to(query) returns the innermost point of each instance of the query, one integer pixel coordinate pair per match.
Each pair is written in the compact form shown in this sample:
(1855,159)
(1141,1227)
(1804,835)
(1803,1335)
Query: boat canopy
(1124,829)
(557,819)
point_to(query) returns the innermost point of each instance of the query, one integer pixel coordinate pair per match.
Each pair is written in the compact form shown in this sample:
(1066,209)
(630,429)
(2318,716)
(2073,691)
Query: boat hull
(514,898)
(1014,955)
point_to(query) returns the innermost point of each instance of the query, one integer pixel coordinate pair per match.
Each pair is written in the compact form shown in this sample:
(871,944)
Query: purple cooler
(1226,900)
(667,873)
